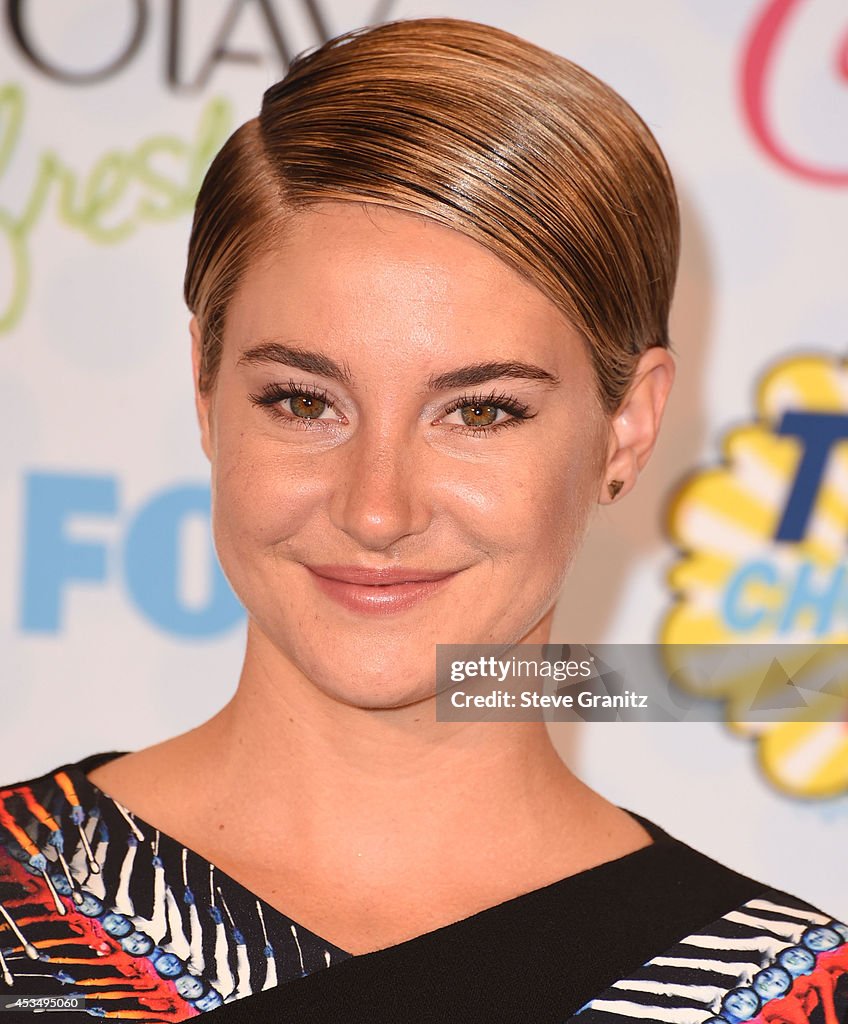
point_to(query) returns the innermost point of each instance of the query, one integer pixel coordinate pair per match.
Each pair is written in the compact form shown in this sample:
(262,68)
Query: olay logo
(763,48)
(283,29)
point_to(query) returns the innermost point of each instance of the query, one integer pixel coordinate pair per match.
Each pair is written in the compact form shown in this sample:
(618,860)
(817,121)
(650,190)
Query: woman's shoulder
(84,764)
(725,946)
(43,816)
(773,957)
(150,924)
(22,799)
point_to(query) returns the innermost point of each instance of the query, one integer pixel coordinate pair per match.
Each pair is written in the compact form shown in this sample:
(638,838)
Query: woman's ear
(636,423)
(202,402)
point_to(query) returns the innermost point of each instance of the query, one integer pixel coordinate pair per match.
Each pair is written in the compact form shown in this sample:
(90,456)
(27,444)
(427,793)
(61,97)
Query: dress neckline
(630,861)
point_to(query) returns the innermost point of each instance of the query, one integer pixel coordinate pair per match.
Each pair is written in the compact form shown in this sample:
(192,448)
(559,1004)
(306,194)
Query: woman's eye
(307,406)
(477,415)
(485,415)
(292,403)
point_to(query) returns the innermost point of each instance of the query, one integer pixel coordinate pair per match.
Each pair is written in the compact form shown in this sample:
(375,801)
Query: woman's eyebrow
(301,358)
(463,376)
(479,373)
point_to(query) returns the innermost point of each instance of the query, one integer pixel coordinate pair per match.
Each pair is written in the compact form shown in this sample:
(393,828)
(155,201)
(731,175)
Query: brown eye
(479,415)
(307,406)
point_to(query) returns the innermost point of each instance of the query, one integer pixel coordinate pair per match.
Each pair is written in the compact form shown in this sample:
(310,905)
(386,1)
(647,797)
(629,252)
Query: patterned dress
(102,915)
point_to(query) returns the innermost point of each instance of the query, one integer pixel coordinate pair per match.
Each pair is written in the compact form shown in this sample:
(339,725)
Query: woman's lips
(377,598)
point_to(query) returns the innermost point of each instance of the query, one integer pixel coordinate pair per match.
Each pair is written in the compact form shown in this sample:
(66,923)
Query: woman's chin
(378,691)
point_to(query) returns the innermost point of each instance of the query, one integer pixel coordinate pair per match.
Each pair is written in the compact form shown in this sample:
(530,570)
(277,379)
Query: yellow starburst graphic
(763,561)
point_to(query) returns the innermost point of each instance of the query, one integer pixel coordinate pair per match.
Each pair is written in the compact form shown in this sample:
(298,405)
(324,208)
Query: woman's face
(373,465)
(797,960)
(821,939)
(772,982)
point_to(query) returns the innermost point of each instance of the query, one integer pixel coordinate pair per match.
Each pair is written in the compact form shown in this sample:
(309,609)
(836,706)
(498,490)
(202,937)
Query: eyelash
(272,394)
(516,409)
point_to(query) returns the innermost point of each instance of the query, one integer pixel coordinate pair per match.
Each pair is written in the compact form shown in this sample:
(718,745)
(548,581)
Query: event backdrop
(117,625)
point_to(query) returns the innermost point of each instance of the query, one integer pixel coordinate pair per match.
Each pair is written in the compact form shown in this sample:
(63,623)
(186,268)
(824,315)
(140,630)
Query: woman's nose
(380,492)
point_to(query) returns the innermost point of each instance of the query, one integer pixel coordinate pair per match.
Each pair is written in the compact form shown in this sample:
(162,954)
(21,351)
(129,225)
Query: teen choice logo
(763,561)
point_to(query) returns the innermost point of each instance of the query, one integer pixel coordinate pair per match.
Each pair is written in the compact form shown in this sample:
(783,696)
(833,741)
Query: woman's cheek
(555,515)
(264,489)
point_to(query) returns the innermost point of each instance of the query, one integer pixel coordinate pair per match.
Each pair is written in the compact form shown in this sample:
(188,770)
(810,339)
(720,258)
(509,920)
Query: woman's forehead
(353,271)
(365,242)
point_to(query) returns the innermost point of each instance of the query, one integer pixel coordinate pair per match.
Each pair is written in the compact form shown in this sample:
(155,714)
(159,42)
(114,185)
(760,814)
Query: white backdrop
(116,631)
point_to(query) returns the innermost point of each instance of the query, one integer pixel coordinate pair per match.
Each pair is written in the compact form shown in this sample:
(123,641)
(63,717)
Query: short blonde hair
(484,132)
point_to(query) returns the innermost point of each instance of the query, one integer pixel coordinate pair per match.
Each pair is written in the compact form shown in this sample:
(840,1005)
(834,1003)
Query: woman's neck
(322,808)
(384,784)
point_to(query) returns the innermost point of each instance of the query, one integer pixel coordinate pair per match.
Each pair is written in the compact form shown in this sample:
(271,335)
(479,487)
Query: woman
(430,286)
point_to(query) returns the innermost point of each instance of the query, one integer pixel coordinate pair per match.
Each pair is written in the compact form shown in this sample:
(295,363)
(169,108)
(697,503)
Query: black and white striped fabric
(690,982)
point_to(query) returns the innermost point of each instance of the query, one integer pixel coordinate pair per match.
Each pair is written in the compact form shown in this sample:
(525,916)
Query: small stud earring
(614,487)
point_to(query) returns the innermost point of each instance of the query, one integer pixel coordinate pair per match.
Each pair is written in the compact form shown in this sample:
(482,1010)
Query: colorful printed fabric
(775,960)
(96,902)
